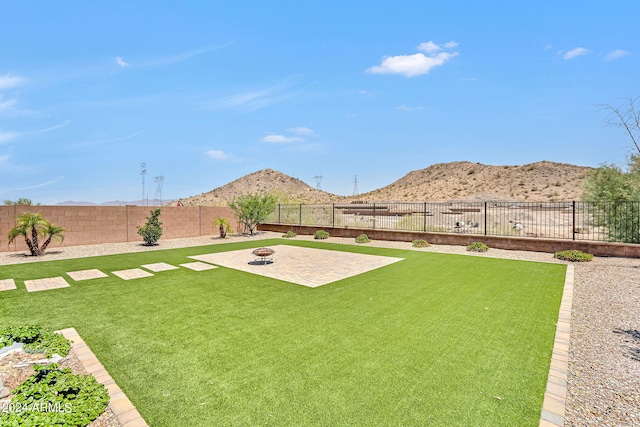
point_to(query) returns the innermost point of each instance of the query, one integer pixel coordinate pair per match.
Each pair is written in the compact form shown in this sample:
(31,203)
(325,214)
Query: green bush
(420,243)
(152,230)
(574,256)
(321,234)
(289,235)
(53,397)
(363,238)
(478,247)
(36,340)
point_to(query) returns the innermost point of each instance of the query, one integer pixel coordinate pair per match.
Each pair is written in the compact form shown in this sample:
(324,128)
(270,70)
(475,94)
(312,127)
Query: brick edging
(124,411)
(553,407)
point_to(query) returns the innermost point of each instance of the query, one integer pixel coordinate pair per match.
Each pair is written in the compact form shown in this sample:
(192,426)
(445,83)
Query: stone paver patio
(303,266)
(159,266)
(132,273)
(86,274)
(45,284)
(198,266)
(7,284)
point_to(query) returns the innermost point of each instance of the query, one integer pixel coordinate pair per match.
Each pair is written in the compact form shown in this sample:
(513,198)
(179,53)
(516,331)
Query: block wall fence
(89,225)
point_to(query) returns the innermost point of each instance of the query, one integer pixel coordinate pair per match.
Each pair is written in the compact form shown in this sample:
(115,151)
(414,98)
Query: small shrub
(36,340)
(289,235)
(363,238)
(420,243)
(223,226)
(152,230)
(478,247)
(573,256)
(71,400)
(321,234)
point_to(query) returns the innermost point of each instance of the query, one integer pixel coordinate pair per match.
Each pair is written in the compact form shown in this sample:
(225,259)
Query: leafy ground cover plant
(478,247)
(36,339)
(321,234)
(573,256)
(35,228)
(53,397)
(363,238)
(419,243)
(152,230)
(289,235)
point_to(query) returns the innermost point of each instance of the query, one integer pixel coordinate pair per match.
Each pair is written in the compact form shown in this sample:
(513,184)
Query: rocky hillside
(540,182)
(286,188)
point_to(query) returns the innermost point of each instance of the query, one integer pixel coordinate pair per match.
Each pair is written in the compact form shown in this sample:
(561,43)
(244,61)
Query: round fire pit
(263,255)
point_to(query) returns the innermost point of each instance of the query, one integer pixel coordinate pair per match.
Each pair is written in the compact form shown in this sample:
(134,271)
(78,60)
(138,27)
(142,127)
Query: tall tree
(253,209)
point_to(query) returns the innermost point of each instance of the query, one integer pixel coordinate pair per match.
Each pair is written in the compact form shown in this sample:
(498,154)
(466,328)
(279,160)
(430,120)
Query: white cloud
(408,109)
(8,104)
(574,53)
(300,130)
(121,62)
(418,63)
(8,81)
(254,100)
(7,136)
(218,155)
(281,139)
(429,47)
(616,54)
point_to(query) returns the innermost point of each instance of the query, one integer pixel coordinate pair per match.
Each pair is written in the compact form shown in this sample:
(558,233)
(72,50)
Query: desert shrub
(289,235)
(363,238)
(478,247)
(321,234)
(36,339)
(54,396)
(152,230)
(419,243)
(573,256)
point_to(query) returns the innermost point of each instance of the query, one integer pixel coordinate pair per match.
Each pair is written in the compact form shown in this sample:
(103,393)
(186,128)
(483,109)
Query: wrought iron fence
(599,221)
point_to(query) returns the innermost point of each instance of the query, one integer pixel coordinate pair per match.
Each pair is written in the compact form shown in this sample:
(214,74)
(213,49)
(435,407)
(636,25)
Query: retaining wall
(625,250)
(89,225)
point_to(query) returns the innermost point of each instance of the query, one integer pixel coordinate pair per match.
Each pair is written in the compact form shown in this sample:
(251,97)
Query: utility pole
(318,179)
(143,172)
(159,180)
(355,185)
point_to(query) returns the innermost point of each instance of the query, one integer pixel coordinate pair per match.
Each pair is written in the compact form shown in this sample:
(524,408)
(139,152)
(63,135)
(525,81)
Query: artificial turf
(435,339)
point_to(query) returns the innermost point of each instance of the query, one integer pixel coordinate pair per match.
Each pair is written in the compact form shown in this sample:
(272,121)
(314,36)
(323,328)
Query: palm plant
(223,224)
(34,227)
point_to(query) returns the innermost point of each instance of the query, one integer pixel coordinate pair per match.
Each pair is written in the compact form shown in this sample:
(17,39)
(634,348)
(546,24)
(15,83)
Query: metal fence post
(374,216)
(424,216)
(300,215)
(279,222)
(485,218)
(573,221)
(333,215)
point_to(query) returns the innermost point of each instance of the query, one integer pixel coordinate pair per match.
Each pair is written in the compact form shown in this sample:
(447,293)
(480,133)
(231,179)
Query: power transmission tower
(318,179)
(143,172)
(158,197)
(355,185)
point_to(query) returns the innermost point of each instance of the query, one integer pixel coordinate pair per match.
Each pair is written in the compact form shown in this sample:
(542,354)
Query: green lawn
(435,339)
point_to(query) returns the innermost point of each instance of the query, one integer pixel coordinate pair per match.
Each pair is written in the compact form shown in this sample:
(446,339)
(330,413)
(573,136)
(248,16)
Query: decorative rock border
(553,407)
(126,414)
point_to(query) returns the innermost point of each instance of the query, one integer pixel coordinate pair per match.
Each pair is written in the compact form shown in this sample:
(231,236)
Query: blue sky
(205,92)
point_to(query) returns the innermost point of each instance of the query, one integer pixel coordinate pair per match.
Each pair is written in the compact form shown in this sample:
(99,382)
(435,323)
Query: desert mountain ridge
(542,181)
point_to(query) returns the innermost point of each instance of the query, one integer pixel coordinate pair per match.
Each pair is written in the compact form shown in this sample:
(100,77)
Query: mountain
(536,182)
(286,188)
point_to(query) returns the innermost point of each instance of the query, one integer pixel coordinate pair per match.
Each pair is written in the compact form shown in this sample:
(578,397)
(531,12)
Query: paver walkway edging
(126,414)
(553,407)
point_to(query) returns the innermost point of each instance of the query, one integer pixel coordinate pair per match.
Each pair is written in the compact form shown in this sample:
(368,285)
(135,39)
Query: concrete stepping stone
(198,266)
(133,273)
(159,266)
(45,284)
(86,274)
(7,284)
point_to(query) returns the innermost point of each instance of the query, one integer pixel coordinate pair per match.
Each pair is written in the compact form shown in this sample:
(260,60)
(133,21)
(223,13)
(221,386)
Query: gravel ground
(604,352)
